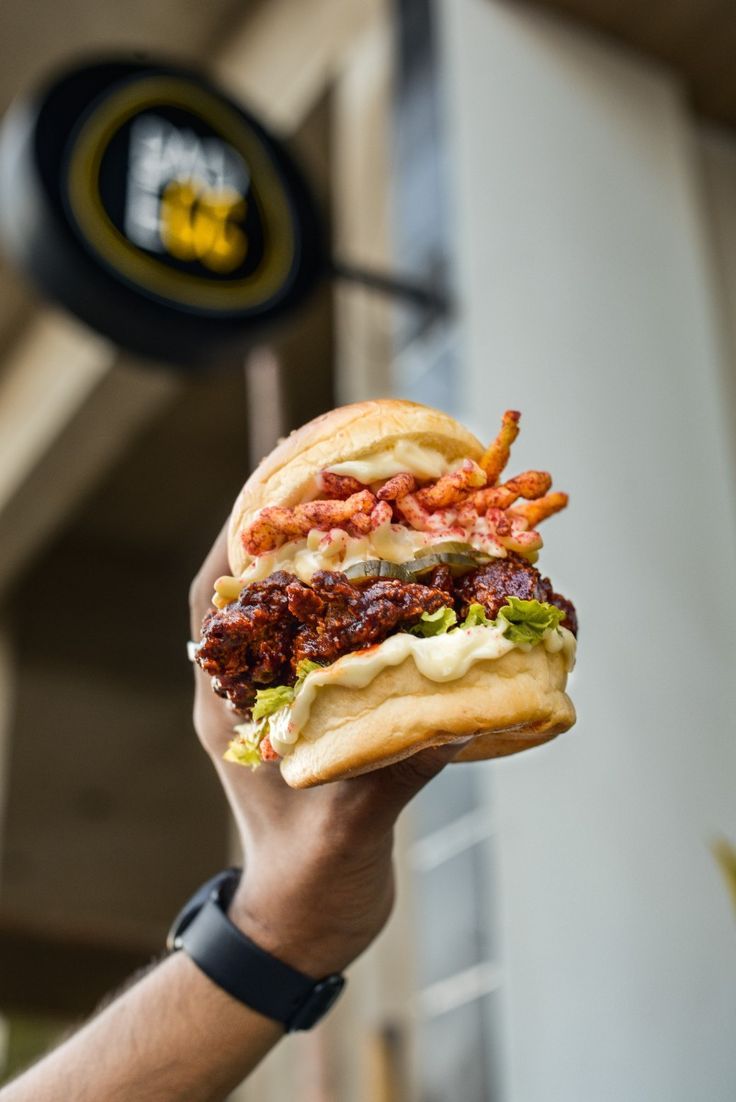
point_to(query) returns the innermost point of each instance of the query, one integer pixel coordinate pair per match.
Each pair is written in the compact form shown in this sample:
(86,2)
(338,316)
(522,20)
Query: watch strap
(246,971)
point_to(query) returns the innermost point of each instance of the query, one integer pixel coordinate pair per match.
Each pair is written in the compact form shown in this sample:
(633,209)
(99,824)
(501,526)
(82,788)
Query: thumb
(395,785)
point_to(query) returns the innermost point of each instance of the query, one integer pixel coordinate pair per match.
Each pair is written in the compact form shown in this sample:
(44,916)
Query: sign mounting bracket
(429,298)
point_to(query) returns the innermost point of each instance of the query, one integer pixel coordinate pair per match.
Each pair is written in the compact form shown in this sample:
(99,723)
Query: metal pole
(426,298)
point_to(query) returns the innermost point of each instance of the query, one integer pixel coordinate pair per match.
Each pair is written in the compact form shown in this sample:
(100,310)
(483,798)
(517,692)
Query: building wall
(716,153)
(590,301)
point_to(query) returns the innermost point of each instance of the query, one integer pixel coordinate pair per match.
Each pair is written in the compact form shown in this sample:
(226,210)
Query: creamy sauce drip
(442,658)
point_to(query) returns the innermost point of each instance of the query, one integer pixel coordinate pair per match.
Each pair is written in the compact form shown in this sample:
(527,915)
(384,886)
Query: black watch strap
(242,968)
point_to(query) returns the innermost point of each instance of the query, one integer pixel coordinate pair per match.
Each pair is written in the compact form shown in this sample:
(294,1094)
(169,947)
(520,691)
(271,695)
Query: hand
(318,882)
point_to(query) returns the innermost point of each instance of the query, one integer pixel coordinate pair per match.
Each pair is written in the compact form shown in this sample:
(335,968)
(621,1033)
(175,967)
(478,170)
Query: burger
(384,598)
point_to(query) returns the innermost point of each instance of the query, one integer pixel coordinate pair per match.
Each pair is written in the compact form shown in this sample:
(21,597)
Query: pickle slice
(454,547)
(456,563)
(448,547)
(376,568)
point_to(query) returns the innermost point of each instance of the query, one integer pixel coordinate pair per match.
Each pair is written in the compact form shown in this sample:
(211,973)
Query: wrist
(302,944)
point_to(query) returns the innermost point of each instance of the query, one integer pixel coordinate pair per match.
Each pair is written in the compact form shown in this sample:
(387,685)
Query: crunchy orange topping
(467,503)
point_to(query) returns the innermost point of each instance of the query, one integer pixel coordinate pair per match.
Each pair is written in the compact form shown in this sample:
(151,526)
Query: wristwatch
(240,967)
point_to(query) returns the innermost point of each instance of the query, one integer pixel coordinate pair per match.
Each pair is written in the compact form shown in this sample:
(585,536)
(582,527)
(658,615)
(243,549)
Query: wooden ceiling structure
(694,38)
(115,476)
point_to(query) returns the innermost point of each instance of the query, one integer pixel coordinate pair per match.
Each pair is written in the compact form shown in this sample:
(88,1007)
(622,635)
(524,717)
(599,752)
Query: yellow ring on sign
(107,240)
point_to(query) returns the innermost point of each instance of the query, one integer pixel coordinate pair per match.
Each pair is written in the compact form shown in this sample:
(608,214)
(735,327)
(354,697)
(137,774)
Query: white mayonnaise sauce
(336,550)
(404,455)
(441,658)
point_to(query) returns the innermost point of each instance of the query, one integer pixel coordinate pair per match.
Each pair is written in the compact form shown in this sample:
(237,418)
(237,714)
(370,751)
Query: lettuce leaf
(476,617)
(435,623)
(527,621)
(304,668)
(244,753)
(277,697)
(271,700)
(245,747)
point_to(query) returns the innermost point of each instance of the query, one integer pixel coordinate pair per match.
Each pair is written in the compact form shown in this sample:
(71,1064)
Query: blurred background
(564,173)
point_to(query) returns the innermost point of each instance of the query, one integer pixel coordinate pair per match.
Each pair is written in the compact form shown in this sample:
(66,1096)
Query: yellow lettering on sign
(199,223)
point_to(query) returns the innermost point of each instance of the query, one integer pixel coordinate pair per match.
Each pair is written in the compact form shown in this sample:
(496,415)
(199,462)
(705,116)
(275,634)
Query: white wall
(588,303)
(717,156)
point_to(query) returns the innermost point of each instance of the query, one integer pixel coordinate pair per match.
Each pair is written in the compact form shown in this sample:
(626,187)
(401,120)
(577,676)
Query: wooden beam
(16,305)
(695,38)
(69,405)
(361,105)
(286,53)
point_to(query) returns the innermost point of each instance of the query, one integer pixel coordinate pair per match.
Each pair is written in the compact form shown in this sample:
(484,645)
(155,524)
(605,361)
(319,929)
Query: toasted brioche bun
(507,704)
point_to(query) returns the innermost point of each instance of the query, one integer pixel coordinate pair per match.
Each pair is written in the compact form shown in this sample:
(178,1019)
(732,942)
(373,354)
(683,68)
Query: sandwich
(384,598)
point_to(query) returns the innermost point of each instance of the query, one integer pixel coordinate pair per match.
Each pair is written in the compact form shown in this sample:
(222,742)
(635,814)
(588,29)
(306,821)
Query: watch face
(221,888)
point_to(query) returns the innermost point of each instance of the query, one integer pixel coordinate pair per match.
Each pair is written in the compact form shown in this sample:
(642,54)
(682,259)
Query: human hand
(318,883)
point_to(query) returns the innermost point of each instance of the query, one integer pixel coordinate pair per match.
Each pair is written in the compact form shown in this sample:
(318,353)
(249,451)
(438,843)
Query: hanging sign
(157,210)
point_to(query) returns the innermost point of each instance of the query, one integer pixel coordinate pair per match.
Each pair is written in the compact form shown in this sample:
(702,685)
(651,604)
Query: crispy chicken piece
(261,636)
(490,585)
(348,617)
(249,643)
(258,639)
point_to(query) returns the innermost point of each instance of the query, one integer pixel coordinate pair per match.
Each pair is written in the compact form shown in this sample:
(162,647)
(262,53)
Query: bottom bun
(509,704)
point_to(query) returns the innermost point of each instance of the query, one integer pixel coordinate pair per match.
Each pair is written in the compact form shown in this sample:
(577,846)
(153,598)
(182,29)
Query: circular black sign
(167,217)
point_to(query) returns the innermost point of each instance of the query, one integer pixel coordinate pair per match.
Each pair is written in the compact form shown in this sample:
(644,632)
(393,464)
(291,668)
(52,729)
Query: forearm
(174,1035)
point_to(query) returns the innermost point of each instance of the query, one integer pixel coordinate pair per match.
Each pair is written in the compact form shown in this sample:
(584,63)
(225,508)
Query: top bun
(350,432)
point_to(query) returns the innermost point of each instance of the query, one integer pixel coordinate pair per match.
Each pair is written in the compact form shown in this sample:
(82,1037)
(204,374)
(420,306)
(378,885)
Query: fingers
(200,591)
(384,793)
(406,778)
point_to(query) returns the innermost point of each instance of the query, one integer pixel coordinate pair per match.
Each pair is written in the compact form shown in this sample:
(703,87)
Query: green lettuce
(304,668)
(476,618)
(244,753)
(277,697)
(435,623)
(520,621)
(245,747)
(527,621)
(272,700)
